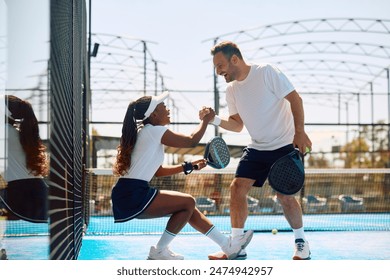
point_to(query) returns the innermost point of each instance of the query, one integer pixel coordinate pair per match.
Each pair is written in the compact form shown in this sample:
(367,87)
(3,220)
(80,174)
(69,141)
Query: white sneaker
(237,243)
(302,250)
(217,256)
(163,254)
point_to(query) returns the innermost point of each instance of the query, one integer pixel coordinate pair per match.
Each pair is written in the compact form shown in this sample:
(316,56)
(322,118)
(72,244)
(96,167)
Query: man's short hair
(227,48)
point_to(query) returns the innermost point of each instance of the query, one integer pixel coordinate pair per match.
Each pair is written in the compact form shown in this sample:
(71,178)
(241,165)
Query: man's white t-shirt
(148,153)
(260,102)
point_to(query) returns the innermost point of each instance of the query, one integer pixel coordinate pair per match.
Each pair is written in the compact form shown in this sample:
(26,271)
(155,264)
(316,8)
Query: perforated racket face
(287,175)
(217,153)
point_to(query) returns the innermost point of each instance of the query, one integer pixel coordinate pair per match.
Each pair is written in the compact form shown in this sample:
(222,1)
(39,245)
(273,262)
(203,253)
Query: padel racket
(287,174)
(217,153)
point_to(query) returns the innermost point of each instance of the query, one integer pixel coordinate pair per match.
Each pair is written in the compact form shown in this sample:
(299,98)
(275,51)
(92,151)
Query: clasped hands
(206,114)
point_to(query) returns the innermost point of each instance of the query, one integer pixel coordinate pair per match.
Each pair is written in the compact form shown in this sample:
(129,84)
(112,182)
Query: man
(263,99)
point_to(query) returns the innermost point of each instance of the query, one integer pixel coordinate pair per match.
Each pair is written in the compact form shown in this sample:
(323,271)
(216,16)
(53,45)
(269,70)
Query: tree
(369,149)
(355,154)
(318,161)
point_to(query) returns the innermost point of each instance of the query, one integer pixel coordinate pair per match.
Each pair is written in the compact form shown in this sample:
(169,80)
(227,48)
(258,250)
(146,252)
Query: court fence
(331,200)
(327,192)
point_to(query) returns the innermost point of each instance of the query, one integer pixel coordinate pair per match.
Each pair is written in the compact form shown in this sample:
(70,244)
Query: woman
(25,195)
(140,157)
(26,164)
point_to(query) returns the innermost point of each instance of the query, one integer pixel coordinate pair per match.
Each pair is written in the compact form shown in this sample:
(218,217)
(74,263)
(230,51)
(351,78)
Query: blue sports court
(352,238)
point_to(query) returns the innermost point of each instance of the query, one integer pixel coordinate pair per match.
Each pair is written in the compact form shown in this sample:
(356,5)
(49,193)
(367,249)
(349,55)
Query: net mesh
(347,199)
(67,74)
(332,200)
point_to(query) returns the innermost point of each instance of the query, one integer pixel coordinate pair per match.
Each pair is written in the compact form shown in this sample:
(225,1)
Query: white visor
(154,102)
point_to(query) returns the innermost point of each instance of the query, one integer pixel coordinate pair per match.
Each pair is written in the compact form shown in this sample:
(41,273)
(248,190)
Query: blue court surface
(341,245)
(362,245)
(331,237)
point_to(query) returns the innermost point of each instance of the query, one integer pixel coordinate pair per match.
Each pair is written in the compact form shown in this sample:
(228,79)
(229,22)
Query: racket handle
(307,151)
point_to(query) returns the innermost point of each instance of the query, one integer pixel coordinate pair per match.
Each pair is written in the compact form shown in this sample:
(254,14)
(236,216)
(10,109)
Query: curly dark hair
(132,122)
(22,115)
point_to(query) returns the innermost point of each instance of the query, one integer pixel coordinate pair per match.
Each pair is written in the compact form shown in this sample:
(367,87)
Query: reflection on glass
(24,55)
(3,55)
(26,164)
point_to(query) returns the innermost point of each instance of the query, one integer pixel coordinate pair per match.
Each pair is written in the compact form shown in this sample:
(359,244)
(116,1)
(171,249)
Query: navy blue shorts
(26,199)
(130,197)
(255,164)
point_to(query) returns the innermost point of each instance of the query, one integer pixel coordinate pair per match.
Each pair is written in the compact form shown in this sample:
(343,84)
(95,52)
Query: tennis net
(332,199)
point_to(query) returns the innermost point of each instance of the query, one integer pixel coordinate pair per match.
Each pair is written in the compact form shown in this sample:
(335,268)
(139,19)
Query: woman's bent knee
(189,202)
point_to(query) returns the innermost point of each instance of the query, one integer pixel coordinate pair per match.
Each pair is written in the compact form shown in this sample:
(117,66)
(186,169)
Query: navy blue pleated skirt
(26,199)
(130,197)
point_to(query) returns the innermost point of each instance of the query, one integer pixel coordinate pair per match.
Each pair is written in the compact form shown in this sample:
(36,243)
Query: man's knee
(239,187)
(286,199)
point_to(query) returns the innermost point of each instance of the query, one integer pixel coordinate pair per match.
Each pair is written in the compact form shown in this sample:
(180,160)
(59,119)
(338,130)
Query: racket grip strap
(187,167)
(216,121)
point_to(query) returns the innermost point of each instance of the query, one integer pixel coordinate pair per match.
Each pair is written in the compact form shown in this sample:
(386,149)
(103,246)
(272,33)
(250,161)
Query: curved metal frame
(128,66)
(373,57)
(365,25)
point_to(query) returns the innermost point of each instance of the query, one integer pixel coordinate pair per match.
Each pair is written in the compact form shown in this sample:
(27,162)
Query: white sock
(215,235)
(237,232)
(299,233)
(165,239)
